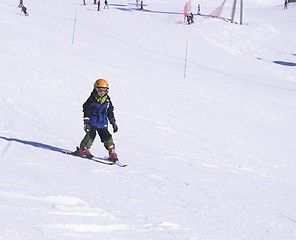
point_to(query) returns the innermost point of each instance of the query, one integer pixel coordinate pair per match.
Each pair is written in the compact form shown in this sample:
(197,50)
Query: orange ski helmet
(101,83)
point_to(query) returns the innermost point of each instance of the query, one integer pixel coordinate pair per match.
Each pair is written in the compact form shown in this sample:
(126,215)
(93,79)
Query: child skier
(97,111)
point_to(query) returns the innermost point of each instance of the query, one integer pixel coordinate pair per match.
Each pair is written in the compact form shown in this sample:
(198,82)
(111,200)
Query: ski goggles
(102,90)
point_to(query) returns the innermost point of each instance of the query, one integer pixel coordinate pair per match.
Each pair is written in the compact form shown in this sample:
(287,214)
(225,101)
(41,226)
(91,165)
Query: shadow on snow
(35,144)
(289,64)
(101,160)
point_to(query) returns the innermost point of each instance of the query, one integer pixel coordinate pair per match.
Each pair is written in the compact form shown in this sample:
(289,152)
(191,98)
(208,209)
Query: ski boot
(112,154)
(83,152)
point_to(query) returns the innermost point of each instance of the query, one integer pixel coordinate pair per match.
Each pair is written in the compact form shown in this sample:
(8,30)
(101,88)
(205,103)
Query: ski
(106,160)
(103,160)
(119,164)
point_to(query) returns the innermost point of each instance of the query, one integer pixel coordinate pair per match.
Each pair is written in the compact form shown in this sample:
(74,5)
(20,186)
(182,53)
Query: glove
(86,128)
(115,127)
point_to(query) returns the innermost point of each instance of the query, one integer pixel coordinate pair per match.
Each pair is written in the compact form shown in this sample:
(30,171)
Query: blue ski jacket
(98,111)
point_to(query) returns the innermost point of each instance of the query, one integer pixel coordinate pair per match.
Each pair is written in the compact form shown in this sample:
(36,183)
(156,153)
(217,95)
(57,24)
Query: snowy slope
(210,155)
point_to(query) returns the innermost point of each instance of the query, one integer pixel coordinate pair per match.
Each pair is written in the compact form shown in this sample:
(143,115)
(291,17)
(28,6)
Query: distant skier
(21,4)
(99,5)
(95,1)
(84,2)
(142,4)
(189,18)
(106,4)
(24,10)
(97,111)
(286,3)
(137,3)
(198,9)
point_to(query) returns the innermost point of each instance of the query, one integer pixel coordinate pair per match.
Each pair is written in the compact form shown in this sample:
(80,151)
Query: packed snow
(206,115)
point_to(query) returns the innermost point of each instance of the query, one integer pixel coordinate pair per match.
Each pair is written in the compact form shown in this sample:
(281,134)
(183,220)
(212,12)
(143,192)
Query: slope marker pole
(74,27)
(185,67)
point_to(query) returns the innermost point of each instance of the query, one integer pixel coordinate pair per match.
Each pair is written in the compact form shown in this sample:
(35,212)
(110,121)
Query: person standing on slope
(106,4)
(99,5)
(286,3)
(97,111)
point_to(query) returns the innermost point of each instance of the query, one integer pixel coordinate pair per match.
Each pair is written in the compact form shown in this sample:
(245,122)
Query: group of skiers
(189,18)
(99,4)
(107,5)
